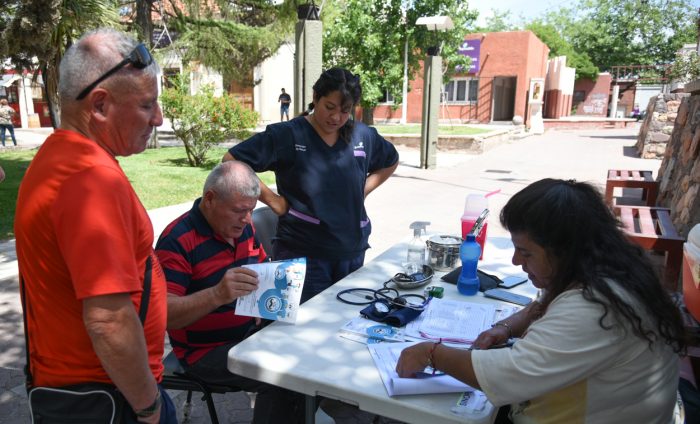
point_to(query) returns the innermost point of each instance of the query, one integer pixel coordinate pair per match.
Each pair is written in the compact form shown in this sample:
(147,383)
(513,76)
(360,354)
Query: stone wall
(680,169)
(657,127)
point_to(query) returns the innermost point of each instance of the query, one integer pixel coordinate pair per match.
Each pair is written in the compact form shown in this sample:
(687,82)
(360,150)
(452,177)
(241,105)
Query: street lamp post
(308,54)
(432,84)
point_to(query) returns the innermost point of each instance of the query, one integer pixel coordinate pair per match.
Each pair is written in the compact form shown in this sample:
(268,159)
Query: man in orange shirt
(84,239)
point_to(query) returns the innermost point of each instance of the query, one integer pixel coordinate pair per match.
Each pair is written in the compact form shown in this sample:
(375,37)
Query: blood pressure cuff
(486,281)
(397,316)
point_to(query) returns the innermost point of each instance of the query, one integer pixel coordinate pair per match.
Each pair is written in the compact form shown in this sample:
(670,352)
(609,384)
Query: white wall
(271,76)
(644,93)
(201,76)
(559,76)
(26,103)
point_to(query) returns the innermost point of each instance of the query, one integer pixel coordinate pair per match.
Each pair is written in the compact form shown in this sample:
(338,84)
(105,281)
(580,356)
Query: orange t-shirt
(81,231)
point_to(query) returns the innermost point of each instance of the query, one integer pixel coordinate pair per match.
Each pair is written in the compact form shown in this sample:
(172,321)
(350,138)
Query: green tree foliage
(498,22)
(626,32)
(685,67)
(368,37)
(558,46)
(36,33)
(203,120)
(231,37)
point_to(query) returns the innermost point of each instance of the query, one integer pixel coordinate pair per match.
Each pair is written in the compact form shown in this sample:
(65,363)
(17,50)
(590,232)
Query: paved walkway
(411,194)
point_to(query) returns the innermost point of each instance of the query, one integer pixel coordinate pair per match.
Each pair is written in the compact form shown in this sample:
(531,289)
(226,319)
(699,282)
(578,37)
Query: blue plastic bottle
(469,252)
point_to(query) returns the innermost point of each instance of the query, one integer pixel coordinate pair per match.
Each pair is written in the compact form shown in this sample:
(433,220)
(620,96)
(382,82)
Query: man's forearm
(184,310)
(118,340)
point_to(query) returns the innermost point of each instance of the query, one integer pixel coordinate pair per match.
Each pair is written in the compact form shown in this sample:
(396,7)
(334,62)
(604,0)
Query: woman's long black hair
(348,84)
(586,244)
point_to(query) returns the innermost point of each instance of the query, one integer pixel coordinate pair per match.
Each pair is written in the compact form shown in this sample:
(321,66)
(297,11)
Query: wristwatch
(150,410)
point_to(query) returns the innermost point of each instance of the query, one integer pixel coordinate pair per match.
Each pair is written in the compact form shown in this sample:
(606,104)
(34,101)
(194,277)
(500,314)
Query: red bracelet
(431,360)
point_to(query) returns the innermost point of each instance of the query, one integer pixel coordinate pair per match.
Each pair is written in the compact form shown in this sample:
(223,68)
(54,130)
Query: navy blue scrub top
(324,185)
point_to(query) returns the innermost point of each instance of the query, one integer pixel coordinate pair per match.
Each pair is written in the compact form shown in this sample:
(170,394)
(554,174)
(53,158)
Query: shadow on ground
(614,137)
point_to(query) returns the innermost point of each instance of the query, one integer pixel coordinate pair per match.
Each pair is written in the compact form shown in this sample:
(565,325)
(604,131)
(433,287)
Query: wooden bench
(632,179)
(652,229)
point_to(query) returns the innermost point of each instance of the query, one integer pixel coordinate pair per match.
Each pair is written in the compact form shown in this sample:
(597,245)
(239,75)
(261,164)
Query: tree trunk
(144,20)
(368,115)
(153,142)
(50,79)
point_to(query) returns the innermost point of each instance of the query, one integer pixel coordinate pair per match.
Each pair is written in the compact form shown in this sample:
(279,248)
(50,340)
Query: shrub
(686,67)
(203,120)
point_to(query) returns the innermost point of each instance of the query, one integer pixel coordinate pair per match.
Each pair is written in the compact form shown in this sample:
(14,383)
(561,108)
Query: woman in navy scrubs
(325,165)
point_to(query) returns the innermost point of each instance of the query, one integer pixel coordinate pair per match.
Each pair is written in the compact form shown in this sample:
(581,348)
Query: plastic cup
(467,225)
(474,205)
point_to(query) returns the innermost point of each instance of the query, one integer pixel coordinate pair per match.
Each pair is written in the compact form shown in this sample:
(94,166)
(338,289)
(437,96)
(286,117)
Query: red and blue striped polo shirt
(194,258)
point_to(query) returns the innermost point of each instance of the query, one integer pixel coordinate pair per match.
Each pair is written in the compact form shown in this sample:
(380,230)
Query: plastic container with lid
(473,206)
(443,252)
(691,272)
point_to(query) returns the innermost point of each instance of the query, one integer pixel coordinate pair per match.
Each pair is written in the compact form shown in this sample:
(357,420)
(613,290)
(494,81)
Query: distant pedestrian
(635,112)
(6,114)
(284,100)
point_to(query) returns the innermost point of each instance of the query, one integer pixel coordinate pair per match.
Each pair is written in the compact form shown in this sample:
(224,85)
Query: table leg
(310,410)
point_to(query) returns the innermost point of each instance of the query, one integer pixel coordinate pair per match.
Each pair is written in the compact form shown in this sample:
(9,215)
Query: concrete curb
(470,144)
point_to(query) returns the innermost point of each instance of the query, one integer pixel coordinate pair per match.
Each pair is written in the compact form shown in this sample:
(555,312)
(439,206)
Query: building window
(461,90)
(386,98)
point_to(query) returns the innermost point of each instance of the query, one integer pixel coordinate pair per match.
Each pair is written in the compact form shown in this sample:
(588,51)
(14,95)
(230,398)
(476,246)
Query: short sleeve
(383,154)
(177,268)
(264,150)
(563,347)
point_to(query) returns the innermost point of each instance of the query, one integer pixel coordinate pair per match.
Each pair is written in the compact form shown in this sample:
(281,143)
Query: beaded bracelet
(506,326)
(431,360)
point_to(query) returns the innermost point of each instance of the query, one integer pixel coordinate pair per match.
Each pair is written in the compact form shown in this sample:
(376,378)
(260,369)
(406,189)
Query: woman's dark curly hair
(348,84)
(586,244)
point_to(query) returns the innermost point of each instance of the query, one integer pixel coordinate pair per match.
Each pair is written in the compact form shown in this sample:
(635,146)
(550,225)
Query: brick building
(496,90)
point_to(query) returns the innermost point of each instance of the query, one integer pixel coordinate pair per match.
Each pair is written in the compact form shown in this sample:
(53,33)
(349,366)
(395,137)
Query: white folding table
(311,358)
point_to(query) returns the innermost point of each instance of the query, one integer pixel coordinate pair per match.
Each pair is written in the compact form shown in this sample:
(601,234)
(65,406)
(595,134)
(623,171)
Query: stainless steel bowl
(443,252)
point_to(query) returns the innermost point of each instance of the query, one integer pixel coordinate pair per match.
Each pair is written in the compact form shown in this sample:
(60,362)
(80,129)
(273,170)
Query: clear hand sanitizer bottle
(415,256)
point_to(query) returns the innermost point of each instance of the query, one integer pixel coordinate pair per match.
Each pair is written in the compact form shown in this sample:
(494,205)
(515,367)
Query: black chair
(265,223)
(176,378)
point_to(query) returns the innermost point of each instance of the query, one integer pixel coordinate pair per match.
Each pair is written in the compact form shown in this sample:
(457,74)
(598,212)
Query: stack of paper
(386,355)
(452,321)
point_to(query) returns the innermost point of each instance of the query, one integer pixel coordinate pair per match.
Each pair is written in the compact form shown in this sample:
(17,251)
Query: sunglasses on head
(139,58)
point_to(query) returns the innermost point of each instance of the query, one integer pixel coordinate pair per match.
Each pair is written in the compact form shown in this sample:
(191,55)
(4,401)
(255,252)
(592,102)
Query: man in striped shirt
(202,253)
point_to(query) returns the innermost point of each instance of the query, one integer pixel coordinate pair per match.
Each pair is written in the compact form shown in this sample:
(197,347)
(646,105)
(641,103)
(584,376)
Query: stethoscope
(382,299)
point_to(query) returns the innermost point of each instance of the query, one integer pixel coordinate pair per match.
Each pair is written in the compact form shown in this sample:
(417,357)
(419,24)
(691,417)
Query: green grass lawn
(442,129)
(161,177)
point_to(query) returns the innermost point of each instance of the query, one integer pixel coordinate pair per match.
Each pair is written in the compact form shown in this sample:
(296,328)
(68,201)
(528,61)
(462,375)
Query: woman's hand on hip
(279,205)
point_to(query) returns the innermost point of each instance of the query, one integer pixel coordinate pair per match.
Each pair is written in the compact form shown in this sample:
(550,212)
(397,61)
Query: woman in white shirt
(600,346)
